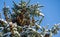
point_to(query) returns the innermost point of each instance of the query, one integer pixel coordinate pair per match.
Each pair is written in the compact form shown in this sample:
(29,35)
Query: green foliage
(22,22)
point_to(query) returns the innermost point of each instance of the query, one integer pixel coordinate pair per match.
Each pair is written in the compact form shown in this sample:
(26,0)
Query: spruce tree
(21,21)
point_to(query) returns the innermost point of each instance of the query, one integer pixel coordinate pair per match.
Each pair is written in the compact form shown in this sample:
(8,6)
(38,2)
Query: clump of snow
(41,14)
(3,21)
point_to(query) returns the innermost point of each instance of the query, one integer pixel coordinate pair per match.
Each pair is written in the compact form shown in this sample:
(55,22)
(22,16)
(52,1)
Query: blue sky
(51,10)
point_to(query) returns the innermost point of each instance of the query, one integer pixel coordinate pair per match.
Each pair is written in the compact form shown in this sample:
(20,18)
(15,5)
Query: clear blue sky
(51,10)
